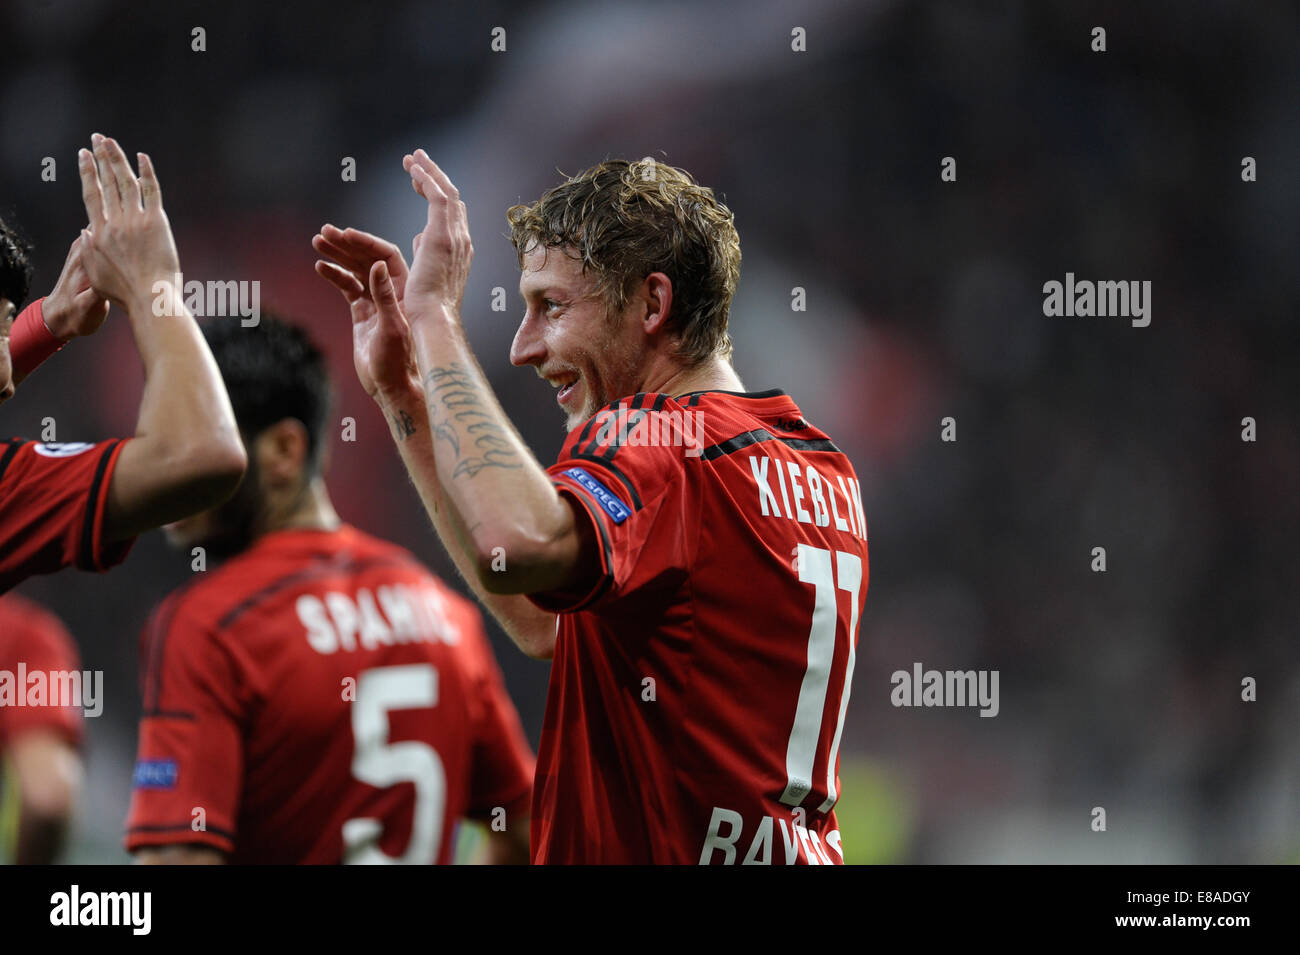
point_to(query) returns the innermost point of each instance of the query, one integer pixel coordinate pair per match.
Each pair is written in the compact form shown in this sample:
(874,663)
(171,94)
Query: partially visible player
(82,504)
(320,697)
(72,309)
(39,744)
(41,329)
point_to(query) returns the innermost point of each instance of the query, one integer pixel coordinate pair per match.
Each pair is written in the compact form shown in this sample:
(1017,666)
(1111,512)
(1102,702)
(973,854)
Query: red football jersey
(698,691)
(322,698)
(34,642)
(52,500)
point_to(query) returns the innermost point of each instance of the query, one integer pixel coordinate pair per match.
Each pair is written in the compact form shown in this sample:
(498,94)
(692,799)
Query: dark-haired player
(320,697)
(39,740)
(703,546)
(83,504)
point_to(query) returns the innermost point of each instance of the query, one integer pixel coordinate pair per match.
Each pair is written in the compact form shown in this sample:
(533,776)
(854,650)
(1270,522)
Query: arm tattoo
(403,425)
(456,411)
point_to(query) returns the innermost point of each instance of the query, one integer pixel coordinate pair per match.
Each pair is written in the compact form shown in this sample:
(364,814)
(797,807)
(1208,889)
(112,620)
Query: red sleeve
(52,503)
(503,764)
(34,638)
(189,765)
(631,483)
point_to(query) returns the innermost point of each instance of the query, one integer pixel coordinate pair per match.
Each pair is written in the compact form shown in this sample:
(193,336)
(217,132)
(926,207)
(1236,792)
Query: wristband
(30,341)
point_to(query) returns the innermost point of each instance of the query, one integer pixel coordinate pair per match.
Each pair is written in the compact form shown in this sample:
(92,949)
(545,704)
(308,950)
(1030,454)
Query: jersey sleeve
(189,763)
(627,471)
(52,504)
(36,641)
(502,770)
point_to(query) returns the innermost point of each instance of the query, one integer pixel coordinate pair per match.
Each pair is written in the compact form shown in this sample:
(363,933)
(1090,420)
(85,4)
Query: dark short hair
(273,371)
(15,265)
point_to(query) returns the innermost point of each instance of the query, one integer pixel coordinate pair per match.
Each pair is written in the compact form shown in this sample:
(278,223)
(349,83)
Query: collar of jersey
(771,393)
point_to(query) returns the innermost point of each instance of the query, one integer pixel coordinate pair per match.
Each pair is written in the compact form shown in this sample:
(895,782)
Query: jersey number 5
(382,764)
(805,736)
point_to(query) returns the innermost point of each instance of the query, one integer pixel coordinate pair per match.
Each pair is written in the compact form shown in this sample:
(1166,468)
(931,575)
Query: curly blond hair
(624,220)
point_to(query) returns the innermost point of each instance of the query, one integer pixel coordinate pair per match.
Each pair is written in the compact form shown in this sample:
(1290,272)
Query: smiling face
(567,336)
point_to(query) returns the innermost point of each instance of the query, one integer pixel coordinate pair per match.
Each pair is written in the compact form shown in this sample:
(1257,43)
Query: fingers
(421,158)
(382,291)
(338,253)
(446,210)
(408,163)
(128,186)
(421,181)
(444,247)
(377,248)
(109,187)
(92,307)
(108,176)
(150,188)
(87,299)
(385,296)
(357,251)
(91,193)
(341,279)
(75,267)
(439,207)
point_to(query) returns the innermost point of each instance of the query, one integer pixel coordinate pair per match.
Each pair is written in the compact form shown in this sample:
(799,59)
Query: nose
(527,347)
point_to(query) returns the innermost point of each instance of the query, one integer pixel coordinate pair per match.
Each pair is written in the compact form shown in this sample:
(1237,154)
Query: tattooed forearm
(459,415)
(448,434)
(403,425)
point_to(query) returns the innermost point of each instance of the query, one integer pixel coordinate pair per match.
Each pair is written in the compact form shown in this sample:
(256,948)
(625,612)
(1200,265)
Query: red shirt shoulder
(52,504)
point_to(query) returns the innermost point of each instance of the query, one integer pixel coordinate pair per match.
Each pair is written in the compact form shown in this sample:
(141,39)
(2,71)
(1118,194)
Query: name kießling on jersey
(392,614)
(820,492)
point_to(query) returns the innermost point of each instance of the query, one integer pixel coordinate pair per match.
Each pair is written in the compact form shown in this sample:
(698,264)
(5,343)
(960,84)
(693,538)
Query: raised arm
(187,455)
(504,497)
(372,279)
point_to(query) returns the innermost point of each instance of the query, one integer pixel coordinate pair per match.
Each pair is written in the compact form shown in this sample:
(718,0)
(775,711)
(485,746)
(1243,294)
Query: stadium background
(924,300)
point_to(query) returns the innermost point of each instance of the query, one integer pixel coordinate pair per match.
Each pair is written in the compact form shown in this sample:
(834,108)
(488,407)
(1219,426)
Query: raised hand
(357,251)
(372,277)
(74,308)
(443,251)
(128,248)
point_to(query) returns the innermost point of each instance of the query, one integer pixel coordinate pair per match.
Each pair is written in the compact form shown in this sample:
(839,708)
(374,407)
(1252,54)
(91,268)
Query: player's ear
(281,451)
(656,293)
